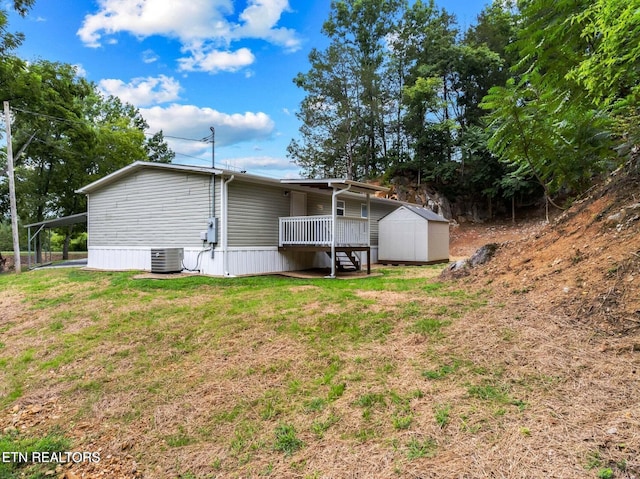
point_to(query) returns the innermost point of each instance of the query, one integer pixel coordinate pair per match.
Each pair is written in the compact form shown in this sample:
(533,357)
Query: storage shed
(413,235)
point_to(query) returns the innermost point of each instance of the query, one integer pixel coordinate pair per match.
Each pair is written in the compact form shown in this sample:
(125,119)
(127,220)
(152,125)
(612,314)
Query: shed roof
(425,213)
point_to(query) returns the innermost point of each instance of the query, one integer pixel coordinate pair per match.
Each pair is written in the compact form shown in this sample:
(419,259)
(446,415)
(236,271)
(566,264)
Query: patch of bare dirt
(466,238)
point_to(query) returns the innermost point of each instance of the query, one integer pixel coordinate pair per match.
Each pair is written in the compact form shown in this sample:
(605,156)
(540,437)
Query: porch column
(334,224)
(369,233)
(334,220)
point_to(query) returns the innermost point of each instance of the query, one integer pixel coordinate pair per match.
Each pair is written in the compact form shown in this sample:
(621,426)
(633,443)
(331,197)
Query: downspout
(212,205)
(225,221)
(334,224)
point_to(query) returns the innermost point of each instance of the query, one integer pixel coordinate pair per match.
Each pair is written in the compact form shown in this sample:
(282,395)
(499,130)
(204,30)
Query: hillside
(585,264)
(567,309)
(526,367)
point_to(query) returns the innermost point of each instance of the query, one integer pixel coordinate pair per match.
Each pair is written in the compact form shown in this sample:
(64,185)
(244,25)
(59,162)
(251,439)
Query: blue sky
(191,64)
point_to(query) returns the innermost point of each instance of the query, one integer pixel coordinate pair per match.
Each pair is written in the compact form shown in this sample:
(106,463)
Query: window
(364,213)
(340,208)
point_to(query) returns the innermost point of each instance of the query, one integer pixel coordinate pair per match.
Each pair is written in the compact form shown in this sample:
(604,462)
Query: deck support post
(369,233)
(334,223)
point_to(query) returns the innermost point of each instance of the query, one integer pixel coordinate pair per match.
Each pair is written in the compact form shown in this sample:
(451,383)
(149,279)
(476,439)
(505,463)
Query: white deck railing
(317,231)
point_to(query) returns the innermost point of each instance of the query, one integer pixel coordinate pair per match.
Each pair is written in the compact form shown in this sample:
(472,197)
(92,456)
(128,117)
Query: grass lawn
(248,377)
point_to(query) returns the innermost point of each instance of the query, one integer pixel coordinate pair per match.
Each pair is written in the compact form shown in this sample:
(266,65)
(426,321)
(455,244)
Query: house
(413,235)
(228,223)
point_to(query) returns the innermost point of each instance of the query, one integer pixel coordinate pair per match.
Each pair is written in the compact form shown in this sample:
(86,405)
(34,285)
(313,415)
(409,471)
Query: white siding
(438,241)
(378,210)
(253,213)
(246,261)
(406,236)
(242,261)
(150,208)
(403,237)
(153,208)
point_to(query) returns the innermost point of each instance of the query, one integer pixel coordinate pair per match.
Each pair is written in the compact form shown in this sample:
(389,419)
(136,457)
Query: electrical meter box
(212,230)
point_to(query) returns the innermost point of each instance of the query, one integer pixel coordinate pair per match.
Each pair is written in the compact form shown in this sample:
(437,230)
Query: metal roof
(62,221)
(327,184)
(145,164)
(355,186)
(425,213)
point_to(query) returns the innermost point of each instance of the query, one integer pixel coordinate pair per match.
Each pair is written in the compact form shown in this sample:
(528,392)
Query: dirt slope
(567,311)
(585,264)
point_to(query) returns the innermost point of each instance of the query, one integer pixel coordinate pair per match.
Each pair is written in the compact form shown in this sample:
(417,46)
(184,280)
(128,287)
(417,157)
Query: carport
(45,227)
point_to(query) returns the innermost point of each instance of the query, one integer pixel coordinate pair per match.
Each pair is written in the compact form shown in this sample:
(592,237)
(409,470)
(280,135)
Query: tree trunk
(38,250)
(546,207)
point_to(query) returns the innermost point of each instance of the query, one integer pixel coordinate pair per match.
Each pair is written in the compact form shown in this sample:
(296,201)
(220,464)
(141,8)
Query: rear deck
(315,233)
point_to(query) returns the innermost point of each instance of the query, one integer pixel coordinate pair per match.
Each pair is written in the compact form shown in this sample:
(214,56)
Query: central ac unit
(166,260)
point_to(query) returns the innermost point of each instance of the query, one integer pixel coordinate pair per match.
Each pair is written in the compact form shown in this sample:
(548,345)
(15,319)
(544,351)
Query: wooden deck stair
(346,261)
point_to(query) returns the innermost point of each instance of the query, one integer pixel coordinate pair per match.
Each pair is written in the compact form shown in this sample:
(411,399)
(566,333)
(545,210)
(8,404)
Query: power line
(44,115)
(202,140)
(190,156)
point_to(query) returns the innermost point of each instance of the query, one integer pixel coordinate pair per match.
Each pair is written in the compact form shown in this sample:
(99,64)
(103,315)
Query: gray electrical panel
(212,230)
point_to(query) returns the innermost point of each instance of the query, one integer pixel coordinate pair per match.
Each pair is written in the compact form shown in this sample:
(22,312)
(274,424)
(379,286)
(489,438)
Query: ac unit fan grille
(166,260)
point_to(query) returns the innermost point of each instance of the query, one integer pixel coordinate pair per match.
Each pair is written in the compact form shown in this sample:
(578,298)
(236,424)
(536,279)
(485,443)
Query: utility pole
(12,191)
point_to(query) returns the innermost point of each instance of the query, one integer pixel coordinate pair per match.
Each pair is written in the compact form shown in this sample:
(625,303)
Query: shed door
(298,204)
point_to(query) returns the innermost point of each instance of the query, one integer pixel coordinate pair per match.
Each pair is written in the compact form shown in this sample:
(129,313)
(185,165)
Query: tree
(430,41)
(343,113)
(399,89)
(487,60)
(330,114)
(49,107)
(609,73)
(76,136)
(8,42)
(542,120)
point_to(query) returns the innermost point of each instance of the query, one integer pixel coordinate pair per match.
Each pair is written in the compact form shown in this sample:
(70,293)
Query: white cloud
(189,121)
(206,28)
(215,61)
(80,71)
(149,56)
(142,91)
(259,20)
(186,20)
